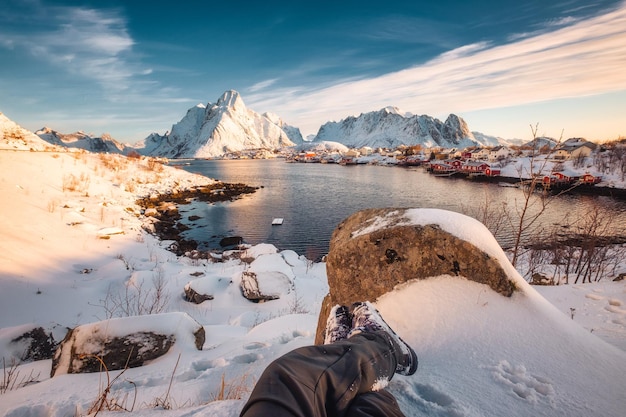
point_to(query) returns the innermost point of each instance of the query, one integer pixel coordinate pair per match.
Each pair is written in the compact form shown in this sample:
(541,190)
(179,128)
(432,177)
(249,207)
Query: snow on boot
(338,324)
(366,319)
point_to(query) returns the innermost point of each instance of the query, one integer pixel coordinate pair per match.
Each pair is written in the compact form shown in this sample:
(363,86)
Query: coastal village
(477,163)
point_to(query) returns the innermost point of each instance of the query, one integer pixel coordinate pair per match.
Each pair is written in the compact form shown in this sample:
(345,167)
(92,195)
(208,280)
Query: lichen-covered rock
(373,251)
(124,342)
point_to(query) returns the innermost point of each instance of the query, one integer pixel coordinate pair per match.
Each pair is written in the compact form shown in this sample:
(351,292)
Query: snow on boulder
(29,342)
(125,342)
(375,250)
(202,289)
(264,286)
(258,250)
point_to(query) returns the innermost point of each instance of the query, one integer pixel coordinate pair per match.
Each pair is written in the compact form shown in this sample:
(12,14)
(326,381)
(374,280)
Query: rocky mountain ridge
(390,128)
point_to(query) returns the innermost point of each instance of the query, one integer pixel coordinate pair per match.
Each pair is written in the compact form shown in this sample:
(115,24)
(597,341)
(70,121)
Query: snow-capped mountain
(488,140)
(540,142)
(216,129)
(81,140)
(389,128)
(14,136)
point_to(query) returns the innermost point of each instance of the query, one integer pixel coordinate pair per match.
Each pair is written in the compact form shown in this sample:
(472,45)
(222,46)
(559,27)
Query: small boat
(277,221)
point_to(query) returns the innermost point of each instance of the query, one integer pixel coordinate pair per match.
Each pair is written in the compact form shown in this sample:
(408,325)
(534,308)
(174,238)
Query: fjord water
(314,198)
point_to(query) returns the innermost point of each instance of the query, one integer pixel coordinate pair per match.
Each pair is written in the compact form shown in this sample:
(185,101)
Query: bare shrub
(12,378)
(585,250)
(137,299)
(493,217)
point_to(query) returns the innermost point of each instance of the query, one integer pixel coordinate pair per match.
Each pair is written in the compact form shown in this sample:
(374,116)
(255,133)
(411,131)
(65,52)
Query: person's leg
(375,404)
(321,381)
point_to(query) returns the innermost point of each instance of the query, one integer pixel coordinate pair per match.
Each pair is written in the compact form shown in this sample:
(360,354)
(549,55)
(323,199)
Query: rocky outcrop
(373,251)
(124,342)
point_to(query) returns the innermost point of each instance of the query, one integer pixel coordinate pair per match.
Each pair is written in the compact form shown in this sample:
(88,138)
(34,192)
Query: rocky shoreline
(617,193)
(163,208)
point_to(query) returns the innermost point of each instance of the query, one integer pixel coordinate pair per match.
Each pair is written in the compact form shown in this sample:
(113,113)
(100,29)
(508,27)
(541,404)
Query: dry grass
(234,389)
(79,184)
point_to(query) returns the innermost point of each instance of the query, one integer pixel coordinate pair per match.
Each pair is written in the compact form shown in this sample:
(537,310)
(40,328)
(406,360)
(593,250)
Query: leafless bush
(493,217)
(586,250)
(12,378)
(137,299)
(297,306)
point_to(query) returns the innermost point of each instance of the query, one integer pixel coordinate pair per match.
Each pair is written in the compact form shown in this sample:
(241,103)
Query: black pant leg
(375,404)
(321,381)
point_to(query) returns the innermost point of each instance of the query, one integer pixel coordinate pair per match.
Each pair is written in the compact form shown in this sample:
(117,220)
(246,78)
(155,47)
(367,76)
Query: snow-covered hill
(81,140)
(389,128)
(216,129)
(15,137)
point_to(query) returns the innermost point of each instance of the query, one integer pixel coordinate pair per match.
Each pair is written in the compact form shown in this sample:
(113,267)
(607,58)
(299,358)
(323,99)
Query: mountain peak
(232,99)
(227,126)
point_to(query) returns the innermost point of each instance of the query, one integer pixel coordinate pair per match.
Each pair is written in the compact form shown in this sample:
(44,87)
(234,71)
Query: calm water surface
(314,198)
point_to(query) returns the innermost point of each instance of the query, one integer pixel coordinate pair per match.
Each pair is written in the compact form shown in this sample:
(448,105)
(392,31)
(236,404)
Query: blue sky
(129,68)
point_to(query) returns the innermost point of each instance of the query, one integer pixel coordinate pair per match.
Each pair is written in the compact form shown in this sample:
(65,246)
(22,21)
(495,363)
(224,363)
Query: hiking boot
(338,324)
(366,319)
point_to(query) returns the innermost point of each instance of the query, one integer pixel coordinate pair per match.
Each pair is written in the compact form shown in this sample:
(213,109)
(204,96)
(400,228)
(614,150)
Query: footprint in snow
(247,358)
(255,345)
(595,297)
(523,384)
(427,400)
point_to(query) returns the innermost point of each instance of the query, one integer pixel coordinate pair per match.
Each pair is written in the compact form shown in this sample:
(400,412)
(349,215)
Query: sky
(132,68)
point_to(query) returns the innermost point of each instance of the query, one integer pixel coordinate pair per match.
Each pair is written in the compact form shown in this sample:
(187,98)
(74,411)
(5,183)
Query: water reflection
(314,198)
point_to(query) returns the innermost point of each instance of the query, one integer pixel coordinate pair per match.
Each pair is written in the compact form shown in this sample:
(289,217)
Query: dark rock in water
(365,265)
(231,241)
(124,342)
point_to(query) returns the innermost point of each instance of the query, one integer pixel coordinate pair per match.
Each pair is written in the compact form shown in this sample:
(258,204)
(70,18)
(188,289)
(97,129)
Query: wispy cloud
(90,43)
(262,85)
(582,59)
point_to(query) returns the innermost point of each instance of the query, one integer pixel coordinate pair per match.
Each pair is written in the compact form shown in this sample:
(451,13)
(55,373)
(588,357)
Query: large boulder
(28,342)
(373,251)
(125,342)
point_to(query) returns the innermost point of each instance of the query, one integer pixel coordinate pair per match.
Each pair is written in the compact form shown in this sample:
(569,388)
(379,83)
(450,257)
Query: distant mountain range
(81,140)
(389,128)
(228,126)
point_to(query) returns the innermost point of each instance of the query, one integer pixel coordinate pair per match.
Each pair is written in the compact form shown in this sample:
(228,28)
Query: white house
(482,153)
(498,152)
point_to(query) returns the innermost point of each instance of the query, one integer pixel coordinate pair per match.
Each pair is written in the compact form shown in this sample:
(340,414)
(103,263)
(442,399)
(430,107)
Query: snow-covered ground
(72,239)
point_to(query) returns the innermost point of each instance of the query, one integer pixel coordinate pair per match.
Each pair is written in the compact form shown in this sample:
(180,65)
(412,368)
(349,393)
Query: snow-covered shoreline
(72,233)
